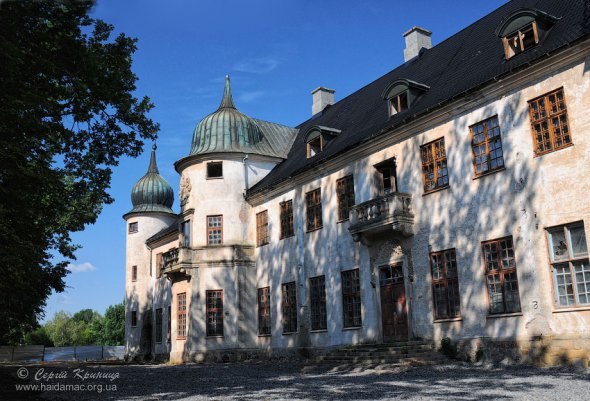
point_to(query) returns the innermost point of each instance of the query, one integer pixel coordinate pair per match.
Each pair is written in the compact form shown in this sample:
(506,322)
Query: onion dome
(226,130)
(152,193)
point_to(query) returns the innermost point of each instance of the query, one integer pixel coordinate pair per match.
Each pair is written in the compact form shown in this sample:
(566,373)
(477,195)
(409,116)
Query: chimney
(322,97)
(416,39)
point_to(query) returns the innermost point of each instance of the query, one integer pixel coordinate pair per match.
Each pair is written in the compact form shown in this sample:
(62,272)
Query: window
(133,318)
(486,146)
(351,298)
(315,146)
(345,194)
(214,300)
(398,103)
(133,273)
(317,286)
(386,181)
(185,229)
(317,137)
(181,315)
(159,264)
(262,228)
(133,227)
(445,284)
(521,40)
(568,252)
(289,307)
(214,170)
(314,209)
(214,230)
(287,219)
(264,311)
(169,333)
(159,325)
(500,271)
(434,165)
(548,114)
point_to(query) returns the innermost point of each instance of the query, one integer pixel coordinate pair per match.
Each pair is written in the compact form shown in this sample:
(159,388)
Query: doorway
(394,313)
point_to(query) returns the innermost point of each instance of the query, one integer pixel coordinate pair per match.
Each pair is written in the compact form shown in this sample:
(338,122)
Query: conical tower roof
(226,130)
(152,193)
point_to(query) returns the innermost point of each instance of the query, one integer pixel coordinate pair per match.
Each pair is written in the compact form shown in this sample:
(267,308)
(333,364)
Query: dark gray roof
(162,233)
(462,63)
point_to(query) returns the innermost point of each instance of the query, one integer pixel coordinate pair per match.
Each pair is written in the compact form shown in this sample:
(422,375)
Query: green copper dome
(152,193)
(226,130)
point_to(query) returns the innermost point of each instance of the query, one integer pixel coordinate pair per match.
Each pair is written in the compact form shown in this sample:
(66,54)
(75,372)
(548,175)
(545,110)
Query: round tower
(152,198)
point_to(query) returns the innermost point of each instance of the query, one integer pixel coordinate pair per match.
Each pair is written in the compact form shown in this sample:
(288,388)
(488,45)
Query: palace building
(447,198)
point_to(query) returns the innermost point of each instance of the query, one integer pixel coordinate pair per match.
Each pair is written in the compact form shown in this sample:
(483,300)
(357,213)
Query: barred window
(133,227)
(214,230)
(214,305)
(351,298)
(486,145)
(287,219)
(264,328)
(502,281)
(215,170)
(434,165)
(159,325)
(548,114)
(314,209)
(262,228)
(289,307)
(318,303)
(445,284)
(181,315)
(345,194)
(568,251)
(133,318)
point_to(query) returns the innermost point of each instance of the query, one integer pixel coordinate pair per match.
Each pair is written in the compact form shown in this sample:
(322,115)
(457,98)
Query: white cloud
(248,97)
(81,267)
(259,65)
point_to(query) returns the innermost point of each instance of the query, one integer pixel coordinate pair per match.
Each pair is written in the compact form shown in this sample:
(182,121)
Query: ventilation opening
(215,170)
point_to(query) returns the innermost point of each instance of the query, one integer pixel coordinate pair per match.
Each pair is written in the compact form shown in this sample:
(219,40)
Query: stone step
(431,360)
(381,358)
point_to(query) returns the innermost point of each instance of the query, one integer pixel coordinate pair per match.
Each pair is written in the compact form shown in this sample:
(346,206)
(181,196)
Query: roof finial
(153,168)
(227,101)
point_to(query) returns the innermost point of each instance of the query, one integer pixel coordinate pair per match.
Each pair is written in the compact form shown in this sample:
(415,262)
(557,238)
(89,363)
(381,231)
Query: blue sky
(275,51)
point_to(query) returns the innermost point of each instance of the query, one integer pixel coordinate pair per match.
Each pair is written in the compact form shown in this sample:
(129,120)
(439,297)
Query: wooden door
(394,314)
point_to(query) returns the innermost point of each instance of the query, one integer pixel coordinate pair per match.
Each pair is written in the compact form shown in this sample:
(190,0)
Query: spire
(153,168)
(227,101)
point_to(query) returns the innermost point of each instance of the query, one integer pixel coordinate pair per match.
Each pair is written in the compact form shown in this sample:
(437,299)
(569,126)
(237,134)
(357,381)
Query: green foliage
(448,348)
(113,332)
(39,336)
(67,115)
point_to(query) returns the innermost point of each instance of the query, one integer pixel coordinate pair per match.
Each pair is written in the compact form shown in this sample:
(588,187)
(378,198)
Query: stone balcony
(391,213)
(183,258)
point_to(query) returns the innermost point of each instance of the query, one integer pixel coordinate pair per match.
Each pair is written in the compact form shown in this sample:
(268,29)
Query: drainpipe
(245,175)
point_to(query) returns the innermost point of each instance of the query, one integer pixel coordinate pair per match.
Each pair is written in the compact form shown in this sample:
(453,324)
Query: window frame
(286,219)
(345,197)
(133,227)
(313,210)
(549,116)
(395,102)
(133,318)
(264,312)
(434,161)
(289,307)
(215,329)
(570,260)
(214,164)
(134,273)
(262,232)
(317,143)
(351,296)
(445,281)
(185,231)
(486,142)
(214,228)
(511,51)
(502,272)
(181,316)
(317,303)
(158,325)
(159,264)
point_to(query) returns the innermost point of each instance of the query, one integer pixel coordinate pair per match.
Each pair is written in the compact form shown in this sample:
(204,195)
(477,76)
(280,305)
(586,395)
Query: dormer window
(401,94)
(317,138)
(523,30)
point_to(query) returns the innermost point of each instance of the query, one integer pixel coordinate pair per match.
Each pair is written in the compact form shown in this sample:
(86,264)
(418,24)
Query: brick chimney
(322,97)
(416,39)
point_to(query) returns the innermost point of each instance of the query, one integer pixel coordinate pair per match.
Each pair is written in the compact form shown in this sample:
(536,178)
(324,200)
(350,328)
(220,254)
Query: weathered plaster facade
(531,193)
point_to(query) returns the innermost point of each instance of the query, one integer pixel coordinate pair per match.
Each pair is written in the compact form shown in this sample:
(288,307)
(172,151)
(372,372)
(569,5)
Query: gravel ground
(298,381)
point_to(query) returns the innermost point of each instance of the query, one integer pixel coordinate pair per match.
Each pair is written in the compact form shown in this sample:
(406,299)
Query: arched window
(401,93)
(523,30)
(317,138)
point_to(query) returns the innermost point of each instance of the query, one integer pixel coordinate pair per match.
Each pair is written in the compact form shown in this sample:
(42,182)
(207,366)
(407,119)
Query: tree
(39,336)
(67,114)
(113,331)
